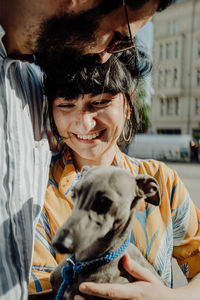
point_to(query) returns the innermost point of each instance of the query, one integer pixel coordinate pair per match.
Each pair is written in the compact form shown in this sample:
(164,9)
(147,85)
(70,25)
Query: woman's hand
(147,286)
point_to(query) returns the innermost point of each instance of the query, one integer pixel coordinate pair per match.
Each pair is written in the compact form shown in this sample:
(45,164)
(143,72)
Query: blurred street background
(190,175)
(169,98)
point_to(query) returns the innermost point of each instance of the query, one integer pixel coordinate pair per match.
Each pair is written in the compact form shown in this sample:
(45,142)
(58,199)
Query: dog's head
(104,201)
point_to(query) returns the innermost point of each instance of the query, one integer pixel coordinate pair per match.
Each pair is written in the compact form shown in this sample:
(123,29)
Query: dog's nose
(64,246)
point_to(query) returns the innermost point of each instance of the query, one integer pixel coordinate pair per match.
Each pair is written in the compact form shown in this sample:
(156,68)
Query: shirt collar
(69,176)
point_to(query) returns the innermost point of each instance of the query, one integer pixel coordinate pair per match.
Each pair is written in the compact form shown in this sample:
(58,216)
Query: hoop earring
(60,140)
(130,131)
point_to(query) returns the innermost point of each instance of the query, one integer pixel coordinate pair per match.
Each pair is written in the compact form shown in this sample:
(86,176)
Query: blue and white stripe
(24,164)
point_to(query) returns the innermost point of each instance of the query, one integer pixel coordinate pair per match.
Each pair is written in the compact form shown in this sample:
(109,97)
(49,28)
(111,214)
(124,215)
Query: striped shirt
(24,165)
(172,229)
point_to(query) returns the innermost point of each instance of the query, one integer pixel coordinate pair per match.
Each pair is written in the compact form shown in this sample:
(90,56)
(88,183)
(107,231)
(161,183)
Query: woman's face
(91,125)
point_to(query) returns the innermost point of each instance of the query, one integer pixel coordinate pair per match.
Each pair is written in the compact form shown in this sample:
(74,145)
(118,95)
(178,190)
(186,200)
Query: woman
(91,115)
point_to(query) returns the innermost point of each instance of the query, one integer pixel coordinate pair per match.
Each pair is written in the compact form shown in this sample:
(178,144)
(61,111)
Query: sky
(145,35)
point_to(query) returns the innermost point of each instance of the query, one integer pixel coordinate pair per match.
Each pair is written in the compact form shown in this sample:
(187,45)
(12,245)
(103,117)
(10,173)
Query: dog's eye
(101,204)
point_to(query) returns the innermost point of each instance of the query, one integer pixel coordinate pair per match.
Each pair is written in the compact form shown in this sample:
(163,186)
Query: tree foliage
(143,107)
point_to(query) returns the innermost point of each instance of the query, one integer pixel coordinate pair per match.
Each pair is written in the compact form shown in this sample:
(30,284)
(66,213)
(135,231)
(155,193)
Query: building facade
(175,102)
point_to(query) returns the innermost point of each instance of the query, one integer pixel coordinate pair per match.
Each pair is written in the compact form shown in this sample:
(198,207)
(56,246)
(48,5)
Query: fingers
(106,290)
(121,291)
(78,297)
(137,271)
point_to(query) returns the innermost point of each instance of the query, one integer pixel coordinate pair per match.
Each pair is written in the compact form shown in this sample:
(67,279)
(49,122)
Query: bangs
(119,74)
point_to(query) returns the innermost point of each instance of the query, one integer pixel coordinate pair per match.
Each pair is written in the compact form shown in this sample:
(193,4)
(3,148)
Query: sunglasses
(119,46)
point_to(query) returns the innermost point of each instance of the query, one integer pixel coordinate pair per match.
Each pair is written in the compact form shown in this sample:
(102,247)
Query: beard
(61,42)
(63,38)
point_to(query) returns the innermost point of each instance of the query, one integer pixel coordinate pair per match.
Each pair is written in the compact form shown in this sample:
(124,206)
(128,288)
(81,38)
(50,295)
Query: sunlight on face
(91,125)
(115,23)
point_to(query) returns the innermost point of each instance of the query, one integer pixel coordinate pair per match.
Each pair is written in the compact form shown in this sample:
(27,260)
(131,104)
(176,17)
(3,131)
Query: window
(165,79)
(176,28)
(169,106)
(176,106)
(162,104)
(169,131)
(176,49)
(198,48)
(161,52)
(172,28)
(168,50)
(198,77)
(197,106)
(175,76)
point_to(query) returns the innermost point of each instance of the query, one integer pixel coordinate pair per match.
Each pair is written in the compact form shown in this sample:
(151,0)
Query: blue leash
(72,267)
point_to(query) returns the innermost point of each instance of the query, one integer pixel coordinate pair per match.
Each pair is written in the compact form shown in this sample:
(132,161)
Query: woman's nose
(85,123)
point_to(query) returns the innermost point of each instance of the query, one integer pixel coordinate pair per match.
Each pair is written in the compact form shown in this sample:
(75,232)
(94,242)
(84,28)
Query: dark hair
(120,74)
(164,4)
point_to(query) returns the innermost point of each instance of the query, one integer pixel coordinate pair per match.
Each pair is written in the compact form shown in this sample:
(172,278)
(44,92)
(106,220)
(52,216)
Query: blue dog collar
(72,267)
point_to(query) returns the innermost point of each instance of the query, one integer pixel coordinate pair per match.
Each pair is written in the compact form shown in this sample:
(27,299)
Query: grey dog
(101,222)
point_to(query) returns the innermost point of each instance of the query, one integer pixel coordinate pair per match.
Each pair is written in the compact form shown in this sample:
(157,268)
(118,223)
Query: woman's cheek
(61,122)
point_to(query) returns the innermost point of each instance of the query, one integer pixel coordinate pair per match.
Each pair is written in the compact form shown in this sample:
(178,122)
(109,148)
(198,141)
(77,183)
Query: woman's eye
(65,105)
(101,102)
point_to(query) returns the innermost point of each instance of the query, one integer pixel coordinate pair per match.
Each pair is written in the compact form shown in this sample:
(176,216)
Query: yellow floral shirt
(172,229)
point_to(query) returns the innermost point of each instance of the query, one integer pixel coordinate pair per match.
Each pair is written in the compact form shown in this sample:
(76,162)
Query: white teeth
(88,137)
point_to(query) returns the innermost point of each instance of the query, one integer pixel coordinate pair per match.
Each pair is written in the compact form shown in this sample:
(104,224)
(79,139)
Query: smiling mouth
(89,137)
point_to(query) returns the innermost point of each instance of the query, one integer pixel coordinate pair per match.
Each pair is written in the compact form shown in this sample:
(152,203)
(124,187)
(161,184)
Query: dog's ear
(84,170)
(148,189)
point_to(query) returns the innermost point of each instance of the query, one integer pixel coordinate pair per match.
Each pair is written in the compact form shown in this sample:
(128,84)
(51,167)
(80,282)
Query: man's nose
(85,123)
